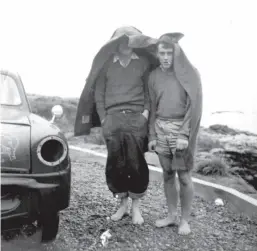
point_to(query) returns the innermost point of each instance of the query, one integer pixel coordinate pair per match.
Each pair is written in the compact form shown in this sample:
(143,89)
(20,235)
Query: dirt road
(214,228)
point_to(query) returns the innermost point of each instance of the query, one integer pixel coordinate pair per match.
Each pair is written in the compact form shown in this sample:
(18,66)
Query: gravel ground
(213,228)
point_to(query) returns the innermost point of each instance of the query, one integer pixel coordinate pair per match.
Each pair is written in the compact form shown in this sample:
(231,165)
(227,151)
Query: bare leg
(170,191)
(122,210)
(136,215)
(186,198)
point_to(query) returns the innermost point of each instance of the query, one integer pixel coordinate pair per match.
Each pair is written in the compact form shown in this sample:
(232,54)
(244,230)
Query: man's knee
(169,176)
(168,173)
(185,178)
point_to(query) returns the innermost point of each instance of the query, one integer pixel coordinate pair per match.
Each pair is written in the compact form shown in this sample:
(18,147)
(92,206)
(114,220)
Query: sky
(51,44)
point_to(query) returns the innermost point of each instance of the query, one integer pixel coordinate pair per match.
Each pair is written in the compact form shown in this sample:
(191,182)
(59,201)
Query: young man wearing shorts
(176,100)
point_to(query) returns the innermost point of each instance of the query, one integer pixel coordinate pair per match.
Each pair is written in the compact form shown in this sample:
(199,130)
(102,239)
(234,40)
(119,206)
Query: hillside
(42,106)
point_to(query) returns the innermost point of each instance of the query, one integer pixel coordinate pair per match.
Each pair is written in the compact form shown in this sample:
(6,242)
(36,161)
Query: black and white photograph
(128,126)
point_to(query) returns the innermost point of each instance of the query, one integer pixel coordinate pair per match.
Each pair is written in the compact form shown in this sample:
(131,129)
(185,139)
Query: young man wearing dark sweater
(170,127)
(123,105)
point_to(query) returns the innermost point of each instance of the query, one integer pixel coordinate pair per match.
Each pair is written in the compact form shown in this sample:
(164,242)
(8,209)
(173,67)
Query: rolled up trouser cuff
(136,195)
(120,195)
(129,194)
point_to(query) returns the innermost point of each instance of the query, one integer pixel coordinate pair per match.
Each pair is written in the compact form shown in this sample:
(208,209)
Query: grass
(42,106)
(213,166)
(223,129)
(206,143)
(95,137)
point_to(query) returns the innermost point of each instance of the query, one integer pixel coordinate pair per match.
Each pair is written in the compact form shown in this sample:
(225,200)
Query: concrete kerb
(238,201)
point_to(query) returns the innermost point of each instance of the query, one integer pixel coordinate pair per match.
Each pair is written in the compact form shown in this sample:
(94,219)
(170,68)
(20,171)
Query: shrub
(223,129)
(95,137)
(213,166)
(42,105)
(206,143)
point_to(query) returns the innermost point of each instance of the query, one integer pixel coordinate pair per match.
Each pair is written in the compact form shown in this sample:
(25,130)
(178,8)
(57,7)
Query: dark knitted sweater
(119,88)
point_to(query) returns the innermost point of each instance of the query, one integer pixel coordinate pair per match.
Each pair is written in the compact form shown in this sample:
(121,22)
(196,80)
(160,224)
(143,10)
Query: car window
(9,92)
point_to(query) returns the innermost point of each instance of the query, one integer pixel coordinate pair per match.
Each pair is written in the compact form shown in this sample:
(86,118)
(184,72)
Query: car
(35,162)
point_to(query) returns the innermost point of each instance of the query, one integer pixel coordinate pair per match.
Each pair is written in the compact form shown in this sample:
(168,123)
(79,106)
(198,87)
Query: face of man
(165,55)
(124,49)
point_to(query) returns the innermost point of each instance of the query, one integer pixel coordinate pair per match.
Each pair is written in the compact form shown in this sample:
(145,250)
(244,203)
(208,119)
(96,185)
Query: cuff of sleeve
(152,137)
(147,107)
(183,136)
(101,114)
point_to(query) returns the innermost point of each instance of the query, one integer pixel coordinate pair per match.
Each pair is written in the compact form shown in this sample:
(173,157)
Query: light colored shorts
(167,133)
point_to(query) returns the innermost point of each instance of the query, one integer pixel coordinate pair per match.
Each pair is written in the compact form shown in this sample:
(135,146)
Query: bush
(223,129)
(95,136)
(206,143)
(213,166)
(94,139)
(42,105)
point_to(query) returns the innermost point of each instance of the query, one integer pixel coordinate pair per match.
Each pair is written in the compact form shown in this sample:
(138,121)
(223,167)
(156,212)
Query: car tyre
(49,225)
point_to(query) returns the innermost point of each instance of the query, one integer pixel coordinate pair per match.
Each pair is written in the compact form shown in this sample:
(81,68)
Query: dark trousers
(127,172)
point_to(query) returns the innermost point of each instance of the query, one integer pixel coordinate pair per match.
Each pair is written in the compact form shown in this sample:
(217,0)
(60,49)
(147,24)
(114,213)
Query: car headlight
(52,150)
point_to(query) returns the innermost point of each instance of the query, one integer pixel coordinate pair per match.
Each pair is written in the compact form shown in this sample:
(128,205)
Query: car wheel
(49,225)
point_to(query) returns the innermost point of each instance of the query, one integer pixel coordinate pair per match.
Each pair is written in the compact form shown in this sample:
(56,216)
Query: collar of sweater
(124,64)
(169,71)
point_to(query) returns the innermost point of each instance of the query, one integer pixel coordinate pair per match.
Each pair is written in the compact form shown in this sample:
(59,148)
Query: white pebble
(105,237)
(219,202)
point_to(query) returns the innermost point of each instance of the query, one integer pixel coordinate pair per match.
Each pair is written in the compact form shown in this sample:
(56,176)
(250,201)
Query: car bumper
(26,196)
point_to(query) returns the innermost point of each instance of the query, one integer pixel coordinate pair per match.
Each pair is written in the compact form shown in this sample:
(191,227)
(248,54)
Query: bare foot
(170,220)
(121,211)
(184,228)
(137,217)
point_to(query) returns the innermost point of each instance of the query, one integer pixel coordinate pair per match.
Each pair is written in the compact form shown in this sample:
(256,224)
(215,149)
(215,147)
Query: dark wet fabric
(126,168)
(87,116)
